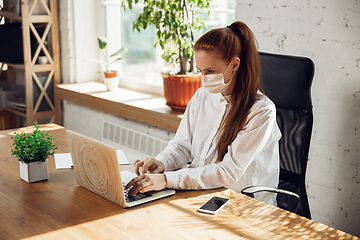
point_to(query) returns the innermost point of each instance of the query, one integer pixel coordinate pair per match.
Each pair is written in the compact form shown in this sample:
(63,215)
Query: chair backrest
(287,82)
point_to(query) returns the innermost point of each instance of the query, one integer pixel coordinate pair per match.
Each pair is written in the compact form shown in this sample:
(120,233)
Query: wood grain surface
(142,107)
(94,167)
(59,208)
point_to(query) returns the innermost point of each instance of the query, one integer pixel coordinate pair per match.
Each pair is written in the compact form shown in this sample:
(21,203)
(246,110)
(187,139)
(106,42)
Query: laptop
(97,170)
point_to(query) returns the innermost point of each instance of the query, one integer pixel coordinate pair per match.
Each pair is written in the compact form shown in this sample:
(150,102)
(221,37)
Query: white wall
(80,25)
(328,32)
(89,121)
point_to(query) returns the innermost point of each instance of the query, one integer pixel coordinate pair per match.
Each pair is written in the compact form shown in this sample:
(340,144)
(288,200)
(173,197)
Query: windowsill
(139,106)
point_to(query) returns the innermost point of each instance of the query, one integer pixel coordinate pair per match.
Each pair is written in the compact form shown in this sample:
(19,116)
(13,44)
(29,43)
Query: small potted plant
(111,76)
(42,59)
(176,23)
(33,150)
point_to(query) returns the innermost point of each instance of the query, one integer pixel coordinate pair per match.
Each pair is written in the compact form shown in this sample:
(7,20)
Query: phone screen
(214,204)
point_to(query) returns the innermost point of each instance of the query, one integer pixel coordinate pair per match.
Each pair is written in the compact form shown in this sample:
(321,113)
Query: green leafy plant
(176,22)
(106,59)
(33,147)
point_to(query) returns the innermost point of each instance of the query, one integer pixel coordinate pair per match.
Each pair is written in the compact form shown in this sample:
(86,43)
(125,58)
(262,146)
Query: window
(141,65)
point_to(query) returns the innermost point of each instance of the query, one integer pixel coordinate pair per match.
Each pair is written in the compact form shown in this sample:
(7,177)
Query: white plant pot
(34,171)
(112,83)
(42,60)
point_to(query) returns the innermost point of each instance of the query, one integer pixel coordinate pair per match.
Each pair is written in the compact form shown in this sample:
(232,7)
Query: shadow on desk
(59,209)
(252,219)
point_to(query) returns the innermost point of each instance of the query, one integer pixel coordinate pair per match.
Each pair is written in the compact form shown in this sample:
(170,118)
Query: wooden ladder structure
(31,67)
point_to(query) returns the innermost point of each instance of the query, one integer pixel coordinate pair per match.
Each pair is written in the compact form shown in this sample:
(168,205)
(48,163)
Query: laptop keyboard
(132,198)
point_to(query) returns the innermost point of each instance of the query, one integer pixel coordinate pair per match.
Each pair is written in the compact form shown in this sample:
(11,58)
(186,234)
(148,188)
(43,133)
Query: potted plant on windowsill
(111,76)
(33,150)
(176,22)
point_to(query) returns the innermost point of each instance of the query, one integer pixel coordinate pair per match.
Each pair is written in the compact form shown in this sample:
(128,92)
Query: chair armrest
(249,191)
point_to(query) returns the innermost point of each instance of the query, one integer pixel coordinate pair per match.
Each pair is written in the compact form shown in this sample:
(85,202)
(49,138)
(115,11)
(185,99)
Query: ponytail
(236,40)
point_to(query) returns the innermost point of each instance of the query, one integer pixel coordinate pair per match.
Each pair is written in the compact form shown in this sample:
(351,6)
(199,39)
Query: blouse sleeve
(258,134)
(178,151)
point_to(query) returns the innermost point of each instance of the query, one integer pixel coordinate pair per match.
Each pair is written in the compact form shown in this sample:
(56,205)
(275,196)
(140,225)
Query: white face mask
(215,83)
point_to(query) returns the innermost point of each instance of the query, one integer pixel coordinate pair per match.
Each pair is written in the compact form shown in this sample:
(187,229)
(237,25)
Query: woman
(228,132)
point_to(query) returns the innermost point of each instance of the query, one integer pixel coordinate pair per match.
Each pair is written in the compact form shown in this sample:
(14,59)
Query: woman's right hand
(149,165)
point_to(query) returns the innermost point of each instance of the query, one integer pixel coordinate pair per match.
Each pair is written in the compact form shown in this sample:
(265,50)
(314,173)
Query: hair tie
(238,33)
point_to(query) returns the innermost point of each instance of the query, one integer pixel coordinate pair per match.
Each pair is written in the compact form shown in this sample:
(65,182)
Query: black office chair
(287,82)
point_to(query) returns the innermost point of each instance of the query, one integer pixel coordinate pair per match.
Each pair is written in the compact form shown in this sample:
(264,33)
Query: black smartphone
(213,205)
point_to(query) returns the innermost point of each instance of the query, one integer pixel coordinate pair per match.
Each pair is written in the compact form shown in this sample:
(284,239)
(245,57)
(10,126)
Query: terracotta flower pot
(178,89)
(110,74)
(111,80)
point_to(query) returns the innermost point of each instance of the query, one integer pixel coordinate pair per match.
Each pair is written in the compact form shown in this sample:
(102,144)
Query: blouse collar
(225,98)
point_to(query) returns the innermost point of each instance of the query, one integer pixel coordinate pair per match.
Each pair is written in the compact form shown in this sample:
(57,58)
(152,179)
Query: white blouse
(252,158)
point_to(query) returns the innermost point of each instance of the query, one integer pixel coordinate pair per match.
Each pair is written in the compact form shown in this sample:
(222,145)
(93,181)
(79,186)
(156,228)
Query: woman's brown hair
(236,40)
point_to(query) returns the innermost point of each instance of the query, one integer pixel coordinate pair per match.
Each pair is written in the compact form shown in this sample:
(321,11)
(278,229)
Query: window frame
(113,34)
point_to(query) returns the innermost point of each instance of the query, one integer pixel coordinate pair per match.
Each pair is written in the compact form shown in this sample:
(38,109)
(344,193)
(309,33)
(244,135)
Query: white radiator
(131,140)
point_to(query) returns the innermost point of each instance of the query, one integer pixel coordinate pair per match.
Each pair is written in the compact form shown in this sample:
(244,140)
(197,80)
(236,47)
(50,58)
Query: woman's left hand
(146,182)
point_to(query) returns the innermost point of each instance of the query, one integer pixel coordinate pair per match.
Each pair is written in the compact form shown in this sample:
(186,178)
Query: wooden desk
(142,107)
(59,209)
